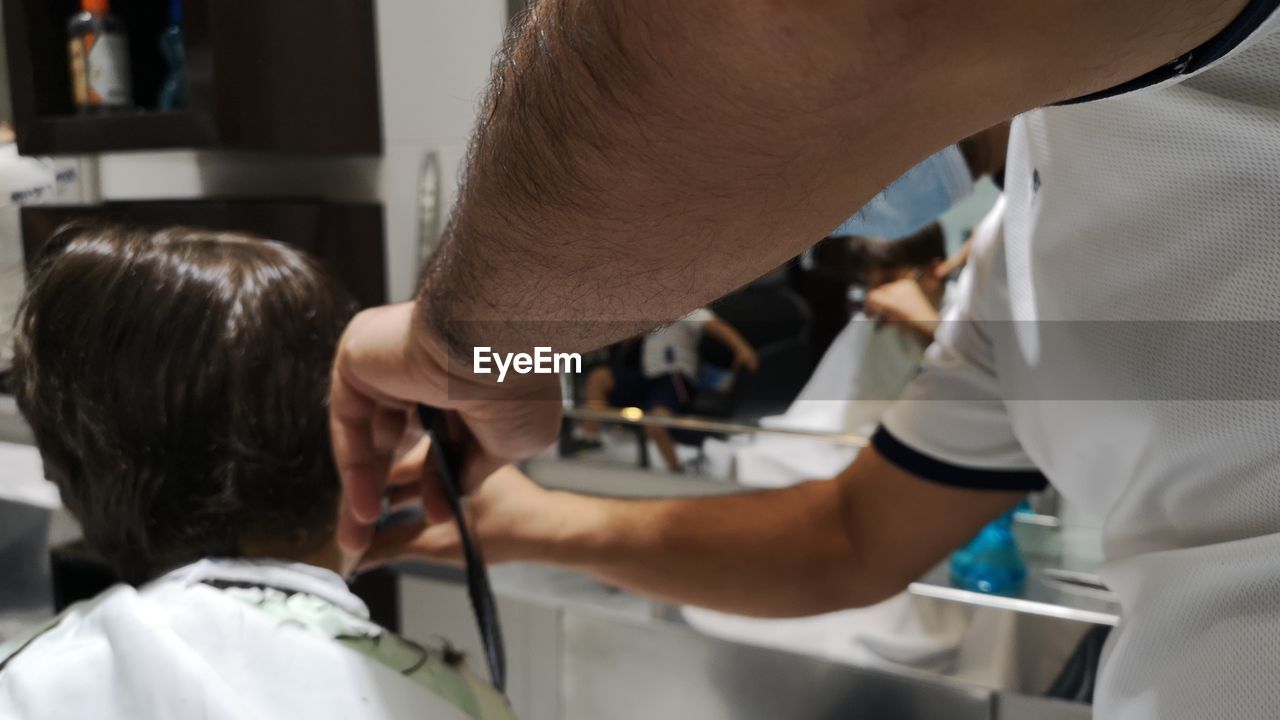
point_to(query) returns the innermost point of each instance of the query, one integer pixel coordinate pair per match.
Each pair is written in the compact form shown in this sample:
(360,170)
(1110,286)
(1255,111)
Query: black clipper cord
(449,463)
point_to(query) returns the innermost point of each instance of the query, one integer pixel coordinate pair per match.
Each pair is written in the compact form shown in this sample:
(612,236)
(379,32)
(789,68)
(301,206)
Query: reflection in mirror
(630,437)
(783,378)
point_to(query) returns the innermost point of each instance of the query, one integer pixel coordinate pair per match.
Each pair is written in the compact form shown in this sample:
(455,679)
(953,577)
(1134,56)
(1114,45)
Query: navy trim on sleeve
(1213,50)
(944,473)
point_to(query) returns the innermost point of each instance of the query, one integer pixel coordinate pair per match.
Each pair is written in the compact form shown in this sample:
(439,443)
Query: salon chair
(777,323)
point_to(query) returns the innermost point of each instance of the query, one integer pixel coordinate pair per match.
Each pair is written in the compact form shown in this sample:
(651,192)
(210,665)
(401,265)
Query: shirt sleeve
(698,318)
(952,425)
(1257,20)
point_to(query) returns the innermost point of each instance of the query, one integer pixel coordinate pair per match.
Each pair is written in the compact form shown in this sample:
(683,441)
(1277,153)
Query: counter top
(1062,580)
(1048,591)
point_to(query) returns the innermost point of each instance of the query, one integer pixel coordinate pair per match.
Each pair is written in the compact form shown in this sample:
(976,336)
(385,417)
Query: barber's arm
(642,157)
(846,542)
(638,158)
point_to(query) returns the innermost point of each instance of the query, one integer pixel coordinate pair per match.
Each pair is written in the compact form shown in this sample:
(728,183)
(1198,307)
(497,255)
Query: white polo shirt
(1119,334)
(673,349)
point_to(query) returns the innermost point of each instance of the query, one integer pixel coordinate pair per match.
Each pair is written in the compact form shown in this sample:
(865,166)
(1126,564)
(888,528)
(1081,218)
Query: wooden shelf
(135,130)
(263,76)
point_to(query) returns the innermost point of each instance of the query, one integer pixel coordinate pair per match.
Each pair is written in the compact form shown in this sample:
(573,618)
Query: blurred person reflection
(667,379)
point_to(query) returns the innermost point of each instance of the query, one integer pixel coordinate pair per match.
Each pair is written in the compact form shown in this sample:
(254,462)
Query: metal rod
(636,416)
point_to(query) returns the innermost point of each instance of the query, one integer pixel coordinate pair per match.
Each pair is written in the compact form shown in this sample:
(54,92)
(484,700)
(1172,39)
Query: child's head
(176,383)
(877,261)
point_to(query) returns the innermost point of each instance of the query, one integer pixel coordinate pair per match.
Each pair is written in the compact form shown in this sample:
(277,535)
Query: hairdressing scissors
(449,463)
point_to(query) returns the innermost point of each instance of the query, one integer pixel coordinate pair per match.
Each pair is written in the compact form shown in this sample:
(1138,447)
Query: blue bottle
(991,562)
(173,93)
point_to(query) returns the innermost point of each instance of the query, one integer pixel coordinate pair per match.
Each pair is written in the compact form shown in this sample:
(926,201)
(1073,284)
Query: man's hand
(904,303)
(850,541)
(512,516)
(387,361)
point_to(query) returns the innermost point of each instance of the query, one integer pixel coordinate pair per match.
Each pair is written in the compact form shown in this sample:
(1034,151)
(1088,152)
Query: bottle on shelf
(991,562)
(173,93)
(99,53)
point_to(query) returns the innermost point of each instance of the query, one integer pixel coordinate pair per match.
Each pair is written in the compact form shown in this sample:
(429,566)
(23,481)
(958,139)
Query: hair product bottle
(991,562)
(173,93)
(99,53)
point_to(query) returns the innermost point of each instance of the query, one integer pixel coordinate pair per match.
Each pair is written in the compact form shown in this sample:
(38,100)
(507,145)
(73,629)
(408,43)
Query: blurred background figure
(668,378)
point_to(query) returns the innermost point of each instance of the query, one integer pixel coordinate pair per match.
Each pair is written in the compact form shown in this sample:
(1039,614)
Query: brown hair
(177,384)
(915,250)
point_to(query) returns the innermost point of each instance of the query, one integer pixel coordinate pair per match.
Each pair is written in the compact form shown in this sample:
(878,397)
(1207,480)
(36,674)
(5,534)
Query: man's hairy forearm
(639,158)
(636,158)
(850,541)
(770,554)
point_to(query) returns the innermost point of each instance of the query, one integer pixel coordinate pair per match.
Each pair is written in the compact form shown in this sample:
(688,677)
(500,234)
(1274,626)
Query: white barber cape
(232,640)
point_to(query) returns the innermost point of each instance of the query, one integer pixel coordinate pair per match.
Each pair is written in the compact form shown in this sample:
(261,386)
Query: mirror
(778,381)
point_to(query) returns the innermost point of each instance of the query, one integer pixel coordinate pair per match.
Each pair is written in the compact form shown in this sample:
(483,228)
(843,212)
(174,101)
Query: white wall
(434,60)
(435,57)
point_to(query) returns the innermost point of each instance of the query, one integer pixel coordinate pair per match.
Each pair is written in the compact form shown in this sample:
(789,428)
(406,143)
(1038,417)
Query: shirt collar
(280,574)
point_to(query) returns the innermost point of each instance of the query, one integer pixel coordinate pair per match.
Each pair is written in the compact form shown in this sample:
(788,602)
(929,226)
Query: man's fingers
(351,417)
(404,496)
(390,544)
(416,469)
(410,466)
(440,542)
(354,535)
(370,376)
(388,428)
(404,488)
(416,541)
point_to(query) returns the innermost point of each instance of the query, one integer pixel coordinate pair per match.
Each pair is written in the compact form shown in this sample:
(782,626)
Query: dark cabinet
(278,76)
(346,237)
